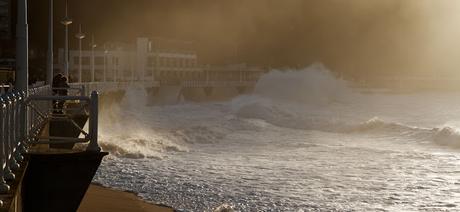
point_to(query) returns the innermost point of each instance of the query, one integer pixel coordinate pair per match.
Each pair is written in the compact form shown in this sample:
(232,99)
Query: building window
(167,62)
(86,75)
(99,60)
(151,61)
(85,60)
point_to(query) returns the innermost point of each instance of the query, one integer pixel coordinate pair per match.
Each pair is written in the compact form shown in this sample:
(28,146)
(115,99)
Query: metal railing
(112,86)
(22,120)
(200,84)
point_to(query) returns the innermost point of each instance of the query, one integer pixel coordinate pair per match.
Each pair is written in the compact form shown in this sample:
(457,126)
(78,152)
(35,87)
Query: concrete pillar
(92,62)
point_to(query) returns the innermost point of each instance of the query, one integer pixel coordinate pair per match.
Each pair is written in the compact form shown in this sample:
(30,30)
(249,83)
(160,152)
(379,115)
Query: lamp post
(49,67)
(105,62)
(66,21)
(115,68)
(80,35)
(93,46)
(22,48)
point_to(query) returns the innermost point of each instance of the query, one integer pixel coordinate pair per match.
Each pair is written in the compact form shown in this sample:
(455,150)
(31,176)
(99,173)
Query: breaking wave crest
(126,129)
(446,135)
(301,99)
(314,85)
(378,125)
(137,147)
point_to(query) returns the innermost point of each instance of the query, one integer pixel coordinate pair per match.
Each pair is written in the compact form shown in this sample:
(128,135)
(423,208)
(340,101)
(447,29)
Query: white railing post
(93,121)
(13,137)
(8,173)
(4,187)
(17,127)
(22,108)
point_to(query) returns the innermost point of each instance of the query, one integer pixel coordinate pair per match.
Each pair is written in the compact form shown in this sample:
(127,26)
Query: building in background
(126,62)
(168,62)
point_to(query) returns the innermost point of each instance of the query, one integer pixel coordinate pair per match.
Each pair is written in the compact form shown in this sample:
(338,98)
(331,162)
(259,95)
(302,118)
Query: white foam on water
(308,99)
(303,140)
(126,129)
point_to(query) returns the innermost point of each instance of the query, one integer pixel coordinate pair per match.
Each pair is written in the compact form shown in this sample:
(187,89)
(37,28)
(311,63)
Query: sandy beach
(102,199)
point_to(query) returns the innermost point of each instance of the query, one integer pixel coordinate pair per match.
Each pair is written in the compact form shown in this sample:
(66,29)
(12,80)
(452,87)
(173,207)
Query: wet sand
(102,199)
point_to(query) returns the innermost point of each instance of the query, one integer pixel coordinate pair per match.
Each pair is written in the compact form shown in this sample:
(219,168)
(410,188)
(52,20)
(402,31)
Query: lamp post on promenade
(93,46)
(115,68)
(66,21)
(49,65)
(22,48)
(106,51)
(80,35)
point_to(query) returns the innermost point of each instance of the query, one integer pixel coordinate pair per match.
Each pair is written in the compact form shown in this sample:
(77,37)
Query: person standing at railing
(60,88)
(55,86)
(62,91)
(64,87)
(56,82)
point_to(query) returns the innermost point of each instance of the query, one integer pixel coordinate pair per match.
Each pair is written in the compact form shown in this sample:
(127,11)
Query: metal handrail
(22,119)
(80,89)
(193,83)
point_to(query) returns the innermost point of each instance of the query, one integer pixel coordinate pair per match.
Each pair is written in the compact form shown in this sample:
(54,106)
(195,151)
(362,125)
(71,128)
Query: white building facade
(121,62)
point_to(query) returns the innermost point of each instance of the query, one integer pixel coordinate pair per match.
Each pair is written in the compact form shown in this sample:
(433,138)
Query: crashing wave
(314,99)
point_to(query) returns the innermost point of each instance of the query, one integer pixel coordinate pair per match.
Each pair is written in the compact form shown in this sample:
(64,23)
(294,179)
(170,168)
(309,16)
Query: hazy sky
(353,36)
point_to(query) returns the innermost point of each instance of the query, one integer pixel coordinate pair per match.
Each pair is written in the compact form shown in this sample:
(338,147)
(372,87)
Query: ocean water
(303,141)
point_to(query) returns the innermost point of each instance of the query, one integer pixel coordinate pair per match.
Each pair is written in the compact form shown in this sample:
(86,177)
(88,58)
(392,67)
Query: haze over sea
(303,141)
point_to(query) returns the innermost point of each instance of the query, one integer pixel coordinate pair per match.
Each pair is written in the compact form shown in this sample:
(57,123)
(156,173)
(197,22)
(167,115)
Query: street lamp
(66,21)
(49,65)
(93,46)
(106,51)
(80,35)
(22,46)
